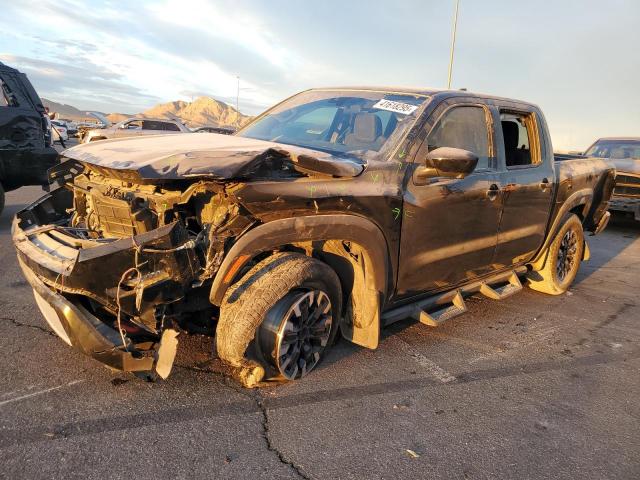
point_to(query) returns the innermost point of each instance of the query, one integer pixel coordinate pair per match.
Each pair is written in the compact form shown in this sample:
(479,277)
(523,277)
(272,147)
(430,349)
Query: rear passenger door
(450,226)
(528,183)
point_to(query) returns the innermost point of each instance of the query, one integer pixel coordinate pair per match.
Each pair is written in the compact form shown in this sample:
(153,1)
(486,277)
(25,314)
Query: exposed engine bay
(139,257)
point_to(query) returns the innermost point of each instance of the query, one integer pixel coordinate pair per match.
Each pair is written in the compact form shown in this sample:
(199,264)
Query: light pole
(453,42)
(238,103)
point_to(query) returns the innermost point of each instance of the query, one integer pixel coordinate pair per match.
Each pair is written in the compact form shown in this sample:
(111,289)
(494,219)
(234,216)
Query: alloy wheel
(296,331)
(566,259)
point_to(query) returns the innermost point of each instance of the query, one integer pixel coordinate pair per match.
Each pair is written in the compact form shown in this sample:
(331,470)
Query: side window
(152,125)
(463,127)
(133,125)
(7,99)
(317,120)
(170,127)
(518,134)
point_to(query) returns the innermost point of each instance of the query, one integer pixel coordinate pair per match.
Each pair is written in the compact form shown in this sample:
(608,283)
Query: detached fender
(376,266)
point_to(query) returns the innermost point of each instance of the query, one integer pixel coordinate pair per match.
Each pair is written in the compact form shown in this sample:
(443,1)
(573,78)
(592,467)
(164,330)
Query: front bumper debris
(81,289)
(79,328)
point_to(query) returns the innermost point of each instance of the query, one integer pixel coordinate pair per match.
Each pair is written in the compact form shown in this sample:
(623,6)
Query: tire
(257,311)
(563,259)
(1,198)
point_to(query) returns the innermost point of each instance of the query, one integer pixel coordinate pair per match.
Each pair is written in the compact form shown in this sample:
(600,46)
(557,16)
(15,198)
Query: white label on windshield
(398,107)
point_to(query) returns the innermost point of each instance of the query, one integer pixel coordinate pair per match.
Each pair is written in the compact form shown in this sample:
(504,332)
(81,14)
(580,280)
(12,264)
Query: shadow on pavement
(621,232)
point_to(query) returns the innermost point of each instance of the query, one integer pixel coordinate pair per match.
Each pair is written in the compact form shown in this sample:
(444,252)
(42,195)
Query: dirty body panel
(171,222)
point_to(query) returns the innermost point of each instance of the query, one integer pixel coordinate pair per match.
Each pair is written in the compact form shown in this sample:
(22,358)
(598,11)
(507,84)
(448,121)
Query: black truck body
(25,136)
(141,237)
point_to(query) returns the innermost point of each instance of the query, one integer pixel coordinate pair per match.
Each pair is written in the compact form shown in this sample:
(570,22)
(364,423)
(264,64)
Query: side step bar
(437,309)
(437,317)
(512,286)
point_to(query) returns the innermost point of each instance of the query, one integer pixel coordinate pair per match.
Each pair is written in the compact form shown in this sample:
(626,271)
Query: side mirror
(446,162)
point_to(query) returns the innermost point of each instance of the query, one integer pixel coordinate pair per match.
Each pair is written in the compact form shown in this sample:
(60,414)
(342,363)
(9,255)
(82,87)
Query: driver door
(450,226)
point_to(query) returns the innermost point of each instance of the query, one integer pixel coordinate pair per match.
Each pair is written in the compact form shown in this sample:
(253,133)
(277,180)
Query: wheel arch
(370,260)
(578,203)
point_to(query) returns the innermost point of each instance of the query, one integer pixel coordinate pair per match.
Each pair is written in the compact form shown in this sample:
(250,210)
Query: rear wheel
(279,318)
(563,259)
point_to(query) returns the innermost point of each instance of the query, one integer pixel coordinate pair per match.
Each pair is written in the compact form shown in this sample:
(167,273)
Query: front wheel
(279,318)
(563,259)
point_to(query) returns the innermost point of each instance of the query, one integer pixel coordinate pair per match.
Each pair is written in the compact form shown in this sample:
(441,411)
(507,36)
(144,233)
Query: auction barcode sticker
(398,107)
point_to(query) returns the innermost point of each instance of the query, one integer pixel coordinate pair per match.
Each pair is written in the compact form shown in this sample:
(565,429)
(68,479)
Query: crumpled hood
(188,155)
(626,165)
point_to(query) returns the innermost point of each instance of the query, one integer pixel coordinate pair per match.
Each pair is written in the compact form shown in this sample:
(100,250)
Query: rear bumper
(619,203)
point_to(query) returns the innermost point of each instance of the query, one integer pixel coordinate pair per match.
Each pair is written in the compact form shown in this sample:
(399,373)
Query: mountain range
(202,111)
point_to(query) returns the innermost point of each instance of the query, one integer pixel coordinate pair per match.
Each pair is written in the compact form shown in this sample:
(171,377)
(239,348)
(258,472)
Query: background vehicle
(61,129)
(133,127)
(214,129)
(72,127)
(336,210)
(25,138)
(624,153)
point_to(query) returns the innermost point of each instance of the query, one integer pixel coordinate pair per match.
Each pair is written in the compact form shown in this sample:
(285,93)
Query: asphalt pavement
(534,386)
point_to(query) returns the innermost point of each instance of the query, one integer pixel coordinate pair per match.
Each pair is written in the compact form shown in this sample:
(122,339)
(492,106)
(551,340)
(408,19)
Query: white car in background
(59,130)
(135,127)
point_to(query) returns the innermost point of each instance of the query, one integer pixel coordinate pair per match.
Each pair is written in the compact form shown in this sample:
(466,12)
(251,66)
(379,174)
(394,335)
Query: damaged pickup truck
(338,210)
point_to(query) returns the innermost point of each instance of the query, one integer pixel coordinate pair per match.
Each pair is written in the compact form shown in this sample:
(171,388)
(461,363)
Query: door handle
(544,184)
(493,191)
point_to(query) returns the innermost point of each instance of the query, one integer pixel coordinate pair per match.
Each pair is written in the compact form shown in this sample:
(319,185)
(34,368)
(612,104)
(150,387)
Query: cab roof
(426,91)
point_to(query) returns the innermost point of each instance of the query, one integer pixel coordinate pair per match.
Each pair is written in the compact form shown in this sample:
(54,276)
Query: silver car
(624,154)
(134,127)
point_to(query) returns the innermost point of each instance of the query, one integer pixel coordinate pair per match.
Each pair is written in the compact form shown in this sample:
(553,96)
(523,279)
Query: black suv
(25,135)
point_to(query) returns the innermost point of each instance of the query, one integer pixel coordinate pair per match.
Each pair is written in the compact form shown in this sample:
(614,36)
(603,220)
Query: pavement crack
(257,398)
(265,434)
(27,325)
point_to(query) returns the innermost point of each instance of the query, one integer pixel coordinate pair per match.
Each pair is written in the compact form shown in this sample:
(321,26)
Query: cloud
(86,82)
(575,62)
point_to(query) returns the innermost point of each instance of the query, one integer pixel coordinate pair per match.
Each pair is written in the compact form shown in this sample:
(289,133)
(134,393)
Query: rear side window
(7,99)
(518,133)
(155,125)
(463,127)
(171,127)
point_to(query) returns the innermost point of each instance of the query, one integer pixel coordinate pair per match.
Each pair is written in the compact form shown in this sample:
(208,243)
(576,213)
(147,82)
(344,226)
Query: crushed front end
(119,268)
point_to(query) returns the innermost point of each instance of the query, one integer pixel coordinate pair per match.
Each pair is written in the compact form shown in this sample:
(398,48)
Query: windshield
(615,149)
(339,122)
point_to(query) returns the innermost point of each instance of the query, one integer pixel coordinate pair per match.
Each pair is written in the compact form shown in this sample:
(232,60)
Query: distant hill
(66,111)
(202,111)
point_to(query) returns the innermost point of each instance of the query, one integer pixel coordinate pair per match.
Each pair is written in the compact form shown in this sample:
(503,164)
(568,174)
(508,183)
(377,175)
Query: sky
(578,60)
